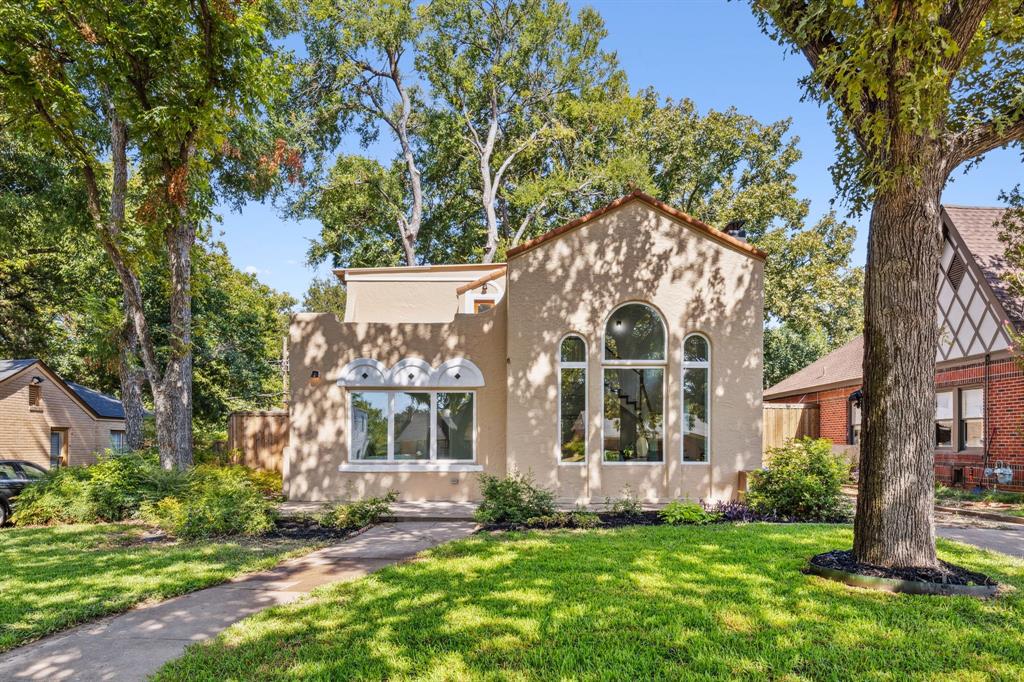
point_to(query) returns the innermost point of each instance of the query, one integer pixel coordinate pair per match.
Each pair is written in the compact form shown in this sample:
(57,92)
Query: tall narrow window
(572,420)
(972,418)
(634,385)
(455,426)
(854,422)
(944,419)
(369,426)
(35,395)
(696,401)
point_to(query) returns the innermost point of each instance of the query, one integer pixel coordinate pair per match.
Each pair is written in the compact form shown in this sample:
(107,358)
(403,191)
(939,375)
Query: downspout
(988,424)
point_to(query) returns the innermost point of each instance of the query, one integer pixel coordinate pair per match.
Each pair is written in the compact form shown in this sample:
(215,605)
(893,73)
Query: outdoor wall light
(36,381)
(314,378)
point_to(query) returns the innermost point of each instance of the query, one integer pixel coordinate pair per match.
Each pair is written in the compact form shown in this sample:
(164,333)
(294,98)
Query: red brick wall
(1005,423)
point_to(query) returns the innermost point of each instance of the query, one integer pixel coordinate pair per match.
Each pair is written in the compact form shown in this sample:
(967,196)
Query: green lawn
(715,602)
(52,578)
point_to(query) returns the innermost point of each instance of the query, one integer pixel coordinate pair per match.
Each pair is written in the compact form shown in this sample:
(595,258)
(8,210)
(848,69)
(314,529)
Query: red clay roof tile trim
(494,274)
(686,218)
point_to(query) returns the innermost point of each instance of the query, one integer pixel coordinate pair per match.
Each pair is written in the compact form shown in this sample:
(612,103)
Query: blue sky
(707,50)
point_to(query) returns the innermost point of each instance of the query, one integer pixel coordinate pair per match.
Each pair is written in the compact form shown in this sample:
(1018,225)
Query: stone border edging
(991,516)
(871,582)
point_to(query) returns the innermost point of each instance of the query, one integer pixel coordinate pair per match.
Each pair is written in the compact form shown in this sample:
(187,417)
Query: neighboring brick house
(979,383)
(51,422)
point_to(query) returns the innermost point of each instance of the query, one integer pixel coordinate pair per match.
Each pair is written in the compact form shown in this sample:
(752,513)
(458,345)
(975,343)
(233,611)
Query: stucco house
(979,384)
(52,422)
(621,349)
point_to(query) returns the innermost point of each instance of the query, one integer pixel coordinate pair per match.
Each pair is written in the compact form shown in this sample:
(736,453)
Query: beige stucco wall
(319,413)
(571,284)
(25,432)
(419,295)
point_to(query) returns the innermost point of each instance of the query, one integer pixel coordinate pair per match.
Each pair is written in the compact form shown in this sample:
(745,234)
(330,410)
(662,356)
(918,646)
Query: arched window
(696,399)
(572,398)
(634,385)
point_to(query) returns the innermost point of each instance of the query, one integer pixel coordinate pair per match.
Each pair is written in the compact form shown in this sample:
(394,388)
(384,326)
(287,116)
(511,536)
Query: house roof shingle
(102,404)
(979,227)
(8,368)
(841,366)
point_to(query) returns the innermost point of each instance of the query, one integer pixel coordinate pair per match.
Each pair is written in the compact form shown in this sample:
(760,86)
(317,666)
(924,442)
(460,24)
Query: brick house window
(854,437)
(972,418)
(944,419)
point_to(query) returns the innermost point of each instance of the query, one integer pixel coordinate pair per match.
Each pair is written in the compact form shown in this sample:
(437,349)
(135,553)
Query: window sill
(639,462)
(442,467)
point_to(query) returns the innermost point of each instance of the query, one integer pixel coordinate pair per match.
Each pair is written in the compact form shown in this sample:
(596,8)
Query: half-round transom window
(634,332)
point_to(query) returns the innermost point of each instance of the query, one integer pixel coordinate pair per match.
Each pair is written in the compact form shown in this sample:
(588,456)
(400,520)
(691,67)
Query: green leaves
(911,88)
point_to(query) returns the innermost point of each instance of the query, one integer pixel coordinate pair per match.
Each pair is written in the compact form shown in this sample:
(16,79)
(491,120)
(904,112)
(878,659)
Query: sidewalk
(133,645)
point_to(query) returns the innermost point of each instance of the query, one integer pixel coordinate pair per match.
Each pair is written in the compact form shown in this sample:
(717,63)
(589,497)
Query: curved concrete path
(133,645)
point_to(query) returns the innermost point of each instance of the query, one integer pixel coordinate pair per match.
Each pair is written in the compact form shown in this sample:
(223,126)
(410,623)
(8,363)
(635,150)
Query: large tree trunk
(894,525)
(132,377)
(174,404)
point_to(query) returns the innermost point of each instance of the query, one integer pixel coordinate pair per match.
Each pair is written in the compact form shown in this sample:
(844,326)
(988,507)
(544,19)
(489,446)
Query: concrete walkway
(135,644)
(1008,540)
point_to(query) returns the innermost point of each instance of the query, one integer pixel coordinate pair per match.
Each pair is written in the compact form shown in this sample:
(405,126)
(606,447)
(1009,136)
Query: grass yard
(55,577)
(669,603)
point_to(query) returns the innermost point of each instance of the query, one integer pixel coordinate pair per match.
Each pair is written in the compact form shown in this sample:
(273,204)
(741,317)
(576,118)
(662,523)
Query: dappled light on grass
(636,603)
(55,577)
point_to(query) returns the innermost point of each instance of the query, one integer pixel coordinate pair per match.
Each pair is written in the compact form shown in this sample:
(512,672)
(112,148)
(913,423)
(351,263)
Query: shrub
(686,513)
(218,501)
(803,482)
(514,499)
(359,514)
(110,490)
(628,505)
(573,519)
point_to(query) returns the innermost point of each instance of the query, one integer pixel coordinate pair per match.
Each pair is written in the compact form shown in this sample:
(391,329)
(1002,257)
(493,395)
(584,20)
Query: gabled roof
(979,228)
(637,195)
(841,366)
(100,405)
(8,368)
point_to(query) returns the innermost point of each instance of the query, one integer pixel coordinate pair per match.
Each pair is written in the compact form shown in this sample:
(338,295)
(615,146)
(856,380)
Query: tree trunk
(894,525)
(174,404)
(132,377)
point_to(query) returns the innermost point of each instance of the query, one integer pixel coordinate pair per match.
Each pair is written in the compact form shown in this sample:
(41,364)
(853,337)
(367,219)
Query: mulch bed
(945,574)
(299,528)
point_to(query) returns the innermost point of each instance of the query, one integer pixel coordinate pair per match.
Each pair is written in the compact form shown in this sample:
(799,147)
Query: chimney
(735,229)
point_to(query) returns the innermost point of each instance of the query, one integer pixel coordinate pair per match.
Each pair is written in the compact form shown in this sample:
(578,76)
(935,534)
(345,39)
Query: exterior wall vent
(956,271)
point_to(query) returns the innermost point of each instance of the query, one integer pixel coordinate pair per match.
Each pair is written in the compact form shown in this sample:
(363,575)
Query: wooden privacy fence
(783,421)
(260,437)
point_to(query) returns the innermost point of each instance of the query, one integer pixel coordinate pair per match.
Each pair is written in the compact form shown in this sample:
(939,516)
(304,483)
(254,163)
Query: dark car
(14,476)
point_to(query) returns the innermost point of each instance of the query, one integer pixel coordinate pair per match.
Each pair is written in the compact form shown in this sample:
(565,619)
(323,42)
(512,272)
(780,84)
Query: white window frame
(391,464)
(586,400)
(954,431)
(695,364)
(662,364)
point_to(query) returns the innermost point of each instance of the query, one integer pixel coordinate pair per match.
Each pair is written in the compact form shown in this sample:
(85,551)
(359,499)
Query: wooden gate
(260,437)
(784,421)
